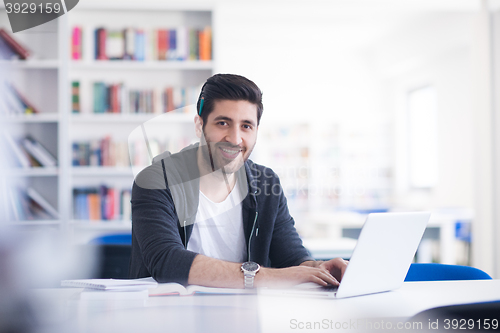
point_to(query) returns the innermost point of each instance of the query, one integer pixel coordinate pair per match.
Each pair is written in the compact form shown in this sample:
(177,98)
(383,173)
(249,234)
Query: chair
(114,255)
(442,272)
(117,239)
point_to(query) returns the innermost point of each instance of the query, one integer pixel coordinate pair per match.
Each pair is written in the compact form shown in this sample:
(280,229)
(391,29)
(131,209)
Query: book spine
(172,44)
(76,43)
(94,202)
(28,107)
(18,152)
(182,44)
(35,196)
(23,52)
(75,96)
(39,152)
(192,43)
(129,44)
(102,34)
(6,51)
(125,206)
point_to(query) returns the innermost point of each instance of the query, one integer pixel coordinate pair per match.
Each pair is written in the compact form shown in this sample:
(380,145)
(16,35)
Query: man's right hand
(291,276)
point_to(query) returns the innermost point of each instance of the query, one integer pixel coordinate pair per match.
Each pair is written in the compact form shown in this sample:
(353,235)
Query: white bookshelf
(149,74)
(41,79)
(47,76)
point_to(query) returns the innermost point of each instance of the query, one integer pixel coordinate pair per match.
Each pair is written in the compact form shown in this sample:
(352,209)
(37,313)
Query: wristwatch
(249,270)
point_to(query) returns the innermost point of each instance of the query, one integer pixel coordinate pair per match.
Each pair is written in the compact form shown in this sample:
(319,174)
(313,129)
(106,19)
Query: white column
(483,255)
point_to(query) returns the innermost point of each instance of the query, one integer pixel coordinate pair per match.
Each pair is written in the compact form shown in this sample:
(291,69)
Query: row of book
(182,43)
(27,152)
(101,203)
(100,152)
(28,204)
(10,48)
(13,102)
(117,98)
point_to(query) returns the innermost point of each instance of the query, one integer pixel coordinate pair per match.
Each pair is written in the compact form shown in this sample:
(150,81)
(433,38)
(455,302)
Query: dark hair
(228,87)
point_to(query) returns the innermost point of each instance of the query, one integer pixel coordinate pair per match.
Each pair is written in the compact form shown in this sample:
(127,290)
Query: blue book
(103,193)
(75,156)
(172,45)
(140,45)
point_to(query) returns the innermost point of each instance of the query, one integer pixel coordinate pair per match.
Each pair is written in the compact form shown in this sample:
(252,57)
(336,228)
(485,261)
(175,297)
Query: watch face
(250,266)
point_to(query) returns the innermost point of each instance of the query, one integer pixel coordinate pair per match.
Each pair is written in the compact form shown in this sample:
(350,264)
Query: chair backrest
(114,253)
(442,272)
(115,239)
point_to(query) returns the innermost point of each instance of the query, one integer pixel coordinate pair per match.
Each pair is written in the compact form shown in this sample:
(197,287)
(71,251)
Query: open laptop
(381,258)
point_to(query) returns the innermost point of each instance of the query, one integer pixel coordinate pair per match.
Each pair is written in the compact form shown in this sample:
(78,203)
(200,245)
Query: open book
(171,289)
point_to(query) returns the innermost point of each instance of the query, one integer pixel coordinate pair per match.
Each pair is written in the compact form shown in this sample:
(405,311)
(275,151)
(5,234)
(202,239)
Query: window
(423,142)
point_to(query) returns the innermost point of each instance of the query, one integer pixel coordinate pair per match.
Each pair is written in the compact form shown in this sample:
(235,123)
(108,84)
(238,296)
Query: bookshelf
(48,76)
(40,79)
(148,75)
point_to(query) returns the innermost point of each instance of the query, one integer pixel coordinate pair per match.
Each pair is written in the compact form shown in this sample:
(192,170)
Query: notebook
(112,284)
(381,258)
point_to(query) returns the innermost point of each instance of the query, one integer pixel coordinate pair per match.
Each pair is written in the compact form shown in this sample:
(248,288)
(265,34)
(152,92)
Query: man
(207,215)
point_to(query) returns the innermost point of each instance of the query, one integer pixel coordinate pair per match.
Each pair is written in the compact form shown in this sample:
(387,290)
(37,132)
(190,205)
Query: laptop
(381,258)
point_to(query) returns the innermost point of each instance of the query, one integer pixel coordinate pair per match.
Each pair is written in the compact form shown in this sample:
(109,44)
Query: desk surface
(62,309)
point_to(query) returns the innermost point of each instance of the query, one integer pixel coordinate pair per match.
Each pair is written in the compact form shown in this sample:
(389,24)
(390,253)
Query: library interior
(381,106)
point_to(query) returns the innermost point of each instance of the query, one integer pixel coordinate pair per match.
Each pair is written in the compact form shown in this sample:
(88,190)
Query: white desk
(62,309)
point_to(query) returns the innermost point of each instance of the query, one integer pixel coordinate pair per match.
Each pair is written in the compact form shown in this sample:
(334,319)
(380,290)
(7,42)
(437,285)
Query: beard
(224,155)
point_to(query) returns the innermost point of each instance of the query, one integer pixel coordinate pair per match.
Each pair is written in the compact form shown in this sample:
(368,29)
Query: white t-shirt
(218,228)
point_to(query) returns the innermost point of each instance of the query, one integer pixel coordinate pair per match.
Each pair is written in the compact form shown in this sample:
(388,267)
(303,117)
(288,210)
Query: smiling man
(206,216)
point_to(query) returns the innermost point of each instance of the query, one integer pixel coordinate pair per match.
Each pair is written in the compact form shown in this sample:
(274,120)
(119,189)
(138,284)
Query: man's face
(230,133)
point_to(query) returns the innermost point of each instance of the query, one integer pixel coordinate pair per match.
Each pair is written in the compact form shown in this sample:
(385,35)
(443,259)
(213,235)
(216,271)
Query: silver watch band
(249,277)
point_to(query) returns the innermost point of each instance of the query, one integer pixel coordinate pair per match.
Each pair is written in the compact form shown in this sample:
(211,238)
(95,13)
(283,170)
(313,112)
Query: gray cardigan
(163,213)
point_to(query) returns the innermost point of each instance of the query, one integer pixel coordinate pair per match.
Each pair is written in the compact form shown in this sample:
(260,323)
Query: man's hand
(336,267)
(210,272)
(291,276)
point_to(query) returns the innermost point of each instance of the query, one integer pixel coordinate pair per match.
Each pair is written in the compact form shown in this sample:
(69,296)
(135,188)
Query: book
(205,49)
(21,103)
(100,44)
(129,37)
(140,46)
(10,102)
(40,201)
(75,96)
(111,284)
(193,44)
(19,153)
(172,44)
(39,152)
(76,43)
(162,44)
(176,289)
(125,206)
(5,51)
(29,205)
(19,49)
(115,45)
(182,43)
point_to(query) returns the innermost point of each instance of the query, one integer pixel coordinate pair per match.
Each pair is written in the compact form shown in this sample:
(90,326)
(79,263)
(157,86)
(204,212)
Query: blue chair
(115,239)
(442,272)
(114,253)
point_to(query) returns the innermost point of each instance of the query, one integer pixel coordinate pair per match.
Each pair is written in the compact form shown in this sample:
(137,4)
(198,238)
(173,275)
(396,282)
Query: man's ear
(198,126)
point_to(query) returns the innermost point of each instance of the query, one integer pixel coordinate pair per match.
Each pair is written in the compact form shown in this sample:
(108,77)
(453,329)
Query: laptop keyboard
(329,288)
